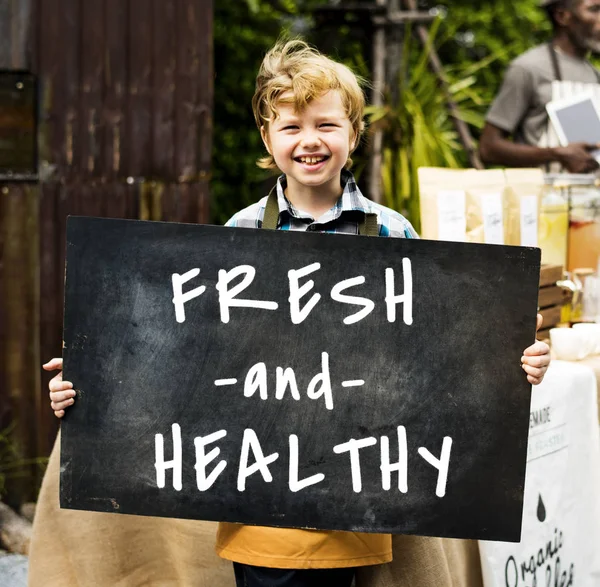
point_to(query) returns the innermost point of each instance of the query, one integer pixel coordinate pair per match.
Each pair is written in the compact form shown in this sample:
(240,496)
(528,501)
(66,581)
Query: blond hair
(295,67)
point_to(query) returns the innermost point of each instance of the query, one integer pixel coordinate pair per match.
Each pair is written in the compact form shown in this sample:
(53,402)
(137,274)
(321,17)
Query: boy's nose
(309,140)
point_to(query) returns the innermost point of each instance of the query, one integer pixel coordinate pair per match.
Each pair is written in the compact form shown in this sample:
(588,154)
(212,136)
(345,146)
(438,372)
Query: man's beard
(591,44)
(584,42)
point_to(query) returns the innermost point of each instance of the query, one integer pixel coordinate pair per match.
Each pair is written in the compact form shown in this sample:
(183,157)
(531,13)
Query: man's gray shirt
(520,106)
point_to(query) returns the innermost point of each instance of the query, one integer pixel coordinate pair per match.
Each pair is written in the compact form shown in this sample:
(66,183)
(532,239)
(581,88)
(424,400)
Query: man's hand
(61,392)
(536,358)
(577,157)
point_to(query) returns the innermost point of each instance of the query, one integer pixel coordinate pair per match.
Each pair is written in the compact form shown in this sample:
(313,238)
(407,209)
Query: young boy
(309,110)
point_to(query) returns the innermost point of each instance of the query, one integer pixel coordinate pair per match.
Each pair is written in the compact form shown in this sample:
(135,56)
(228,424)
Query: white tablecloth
(560,542)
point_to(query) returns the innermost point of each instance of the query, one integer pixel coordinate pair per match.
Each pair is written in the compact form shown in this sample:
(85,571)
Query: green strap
(367,226)
(271,211)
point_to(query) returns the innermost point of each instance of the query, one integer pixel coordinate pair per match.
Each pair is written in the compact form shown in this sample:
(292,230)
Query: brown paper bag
(486,206)
(443,204)
(462,204)
(525,188)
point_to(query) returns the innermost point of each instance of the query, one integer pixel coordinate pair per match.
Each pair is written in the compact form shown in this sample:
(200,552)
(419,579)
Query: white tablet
(576,120)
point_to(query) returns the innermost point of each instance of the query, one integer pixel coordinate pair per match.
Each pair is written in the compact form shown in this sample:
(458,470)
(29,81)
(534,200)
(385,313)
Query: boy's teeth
(312,160)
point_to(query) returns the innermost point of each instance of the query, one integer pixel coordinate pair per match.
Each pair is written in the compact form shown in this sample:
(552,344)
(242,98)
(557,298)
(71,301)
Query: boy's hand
(536,358)
(61,392)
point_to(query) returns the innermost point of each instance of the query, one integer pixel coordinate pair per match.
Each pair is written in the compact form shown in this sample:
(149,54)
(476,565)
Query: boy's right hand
(61,392)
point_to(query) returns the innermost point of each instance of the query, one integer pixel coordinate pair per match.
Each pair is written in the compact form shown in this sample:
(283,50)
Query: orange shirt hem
(288,563)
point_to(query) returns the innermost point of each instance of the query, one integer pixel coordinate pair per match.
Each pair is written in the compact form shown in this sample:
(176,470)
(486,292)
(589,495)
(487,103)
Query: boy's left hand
(536,358)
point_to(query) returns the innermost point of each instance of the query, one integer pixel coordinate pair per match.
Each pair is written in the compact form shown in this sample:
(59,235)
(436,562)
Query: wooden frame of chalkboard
(297,379)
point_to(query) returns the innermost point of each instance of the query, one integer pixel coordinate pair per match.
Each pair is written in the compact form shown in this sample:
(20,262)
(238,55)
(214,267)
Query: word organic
(542,568)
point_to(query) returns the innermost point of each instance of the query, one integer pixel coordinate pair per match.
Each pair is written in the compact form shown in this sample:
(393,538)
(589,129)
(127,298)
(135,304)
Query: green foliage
(243,32)
(478,29)
(12,465)
(476,40)
(419,131)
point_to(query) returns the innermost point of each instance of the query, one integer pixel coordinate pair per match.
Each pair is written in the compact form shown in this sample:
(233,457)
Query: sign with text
(297,379)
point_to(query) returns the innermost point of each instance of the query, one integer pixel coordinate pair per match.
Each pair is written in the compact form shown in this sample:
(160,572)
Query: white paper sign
(452,217)
(561,509)
(493,223)
(529,221)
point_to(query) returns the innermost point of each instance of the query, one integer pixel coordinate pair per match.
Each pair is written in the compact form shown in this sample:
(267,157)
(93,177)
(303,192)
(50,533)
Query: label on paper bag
(452,218)
(493,225)
(529,221)
(561,512)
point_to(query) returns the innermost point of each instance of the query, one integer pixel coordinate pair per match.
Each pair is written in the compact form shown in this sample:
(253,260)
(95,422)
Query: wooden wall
(125,130)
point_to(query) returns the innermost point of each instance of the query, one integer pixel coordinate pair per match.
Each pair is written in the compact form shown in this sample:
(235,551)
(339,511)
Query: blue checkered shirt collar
(351,200)
(343,218)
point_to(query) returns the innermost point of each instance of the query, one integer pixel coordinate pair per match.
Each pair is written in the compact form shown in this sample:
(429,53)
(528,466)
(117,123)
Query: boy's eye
(290,127)
(328,124)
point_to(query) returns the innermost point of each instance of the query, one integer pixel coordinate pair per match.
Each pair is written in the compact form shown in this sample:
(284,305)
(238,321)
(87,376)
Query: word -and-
(319,386)
(228,295)
(251,444)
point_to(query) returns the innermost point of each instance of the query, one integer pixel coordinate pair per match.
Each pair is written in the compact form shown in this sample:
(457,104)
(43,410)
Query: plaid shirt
(342,218)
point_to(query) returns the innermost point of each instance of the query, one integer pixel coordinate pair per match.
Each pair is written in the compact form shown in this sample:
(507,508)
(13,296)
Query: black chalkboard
(447,368)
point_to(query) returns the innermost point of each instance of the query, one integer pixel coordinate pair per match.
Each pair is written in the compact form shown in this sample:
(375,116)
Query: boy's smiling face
(312,146)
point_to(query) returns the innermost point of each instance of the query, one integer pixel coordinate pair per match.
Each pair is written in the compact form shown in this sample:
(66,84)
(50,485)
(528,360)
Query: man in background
(554,70)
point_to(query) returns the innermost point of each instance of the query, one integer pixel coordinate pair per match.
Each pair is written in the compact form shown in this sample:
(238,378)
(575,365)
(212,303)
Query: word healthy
(261,462)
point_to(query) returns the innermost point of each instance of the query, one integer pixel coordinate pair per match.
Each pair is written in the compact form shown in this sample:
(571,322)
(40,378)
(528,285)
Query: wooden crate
(551,298)
(550,274)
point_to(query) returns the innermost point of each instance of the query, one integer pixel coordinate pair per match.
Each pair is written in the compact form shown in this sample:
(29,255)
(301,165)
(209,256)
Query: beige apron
(72,548)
